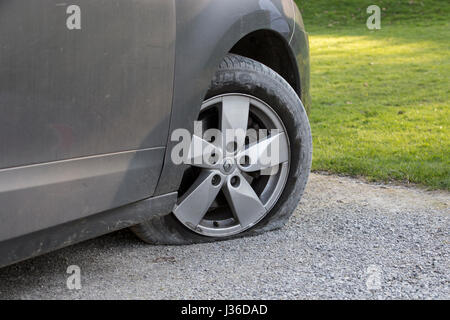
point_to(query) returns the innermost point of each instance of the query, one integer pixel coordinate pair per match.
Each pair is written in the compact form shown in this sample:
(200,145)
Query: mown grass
(381,98)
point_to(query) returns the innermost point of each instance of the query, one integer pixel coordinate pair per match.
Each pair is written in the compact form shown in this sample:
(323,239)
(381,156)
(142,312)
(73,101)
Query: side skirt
(37,243)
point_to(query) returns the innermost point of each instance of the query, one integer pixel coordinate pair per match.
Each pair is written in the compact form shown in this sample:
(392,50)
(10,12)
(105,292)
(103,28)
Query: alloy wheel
(233,180)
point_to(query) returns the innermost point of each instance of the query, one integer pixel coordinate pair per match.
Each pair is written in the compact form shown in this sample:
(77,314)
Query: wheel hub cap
(228,165)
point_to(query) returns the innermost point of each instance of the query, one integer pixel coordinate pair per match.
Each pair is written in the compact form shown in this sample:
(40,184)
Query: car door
(85,101)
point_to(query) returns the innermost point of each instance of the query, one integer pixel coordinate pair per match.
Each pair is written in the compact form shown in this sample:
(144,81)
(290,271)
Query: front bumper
(300,47)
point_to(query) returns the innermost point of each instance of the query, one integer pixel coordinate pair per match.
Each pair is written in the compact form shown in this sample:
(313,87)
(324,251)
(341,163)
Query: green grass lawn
(381,98)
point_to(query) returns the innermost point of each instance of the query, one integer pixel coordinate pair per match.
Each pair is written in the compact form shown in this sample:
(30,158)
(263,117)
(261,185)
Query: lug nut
(216,180)
(235,181)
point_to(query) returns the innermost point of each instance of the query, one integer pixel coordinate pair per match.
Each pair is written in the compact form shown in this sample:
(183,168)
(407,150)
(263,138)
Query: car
(100,108)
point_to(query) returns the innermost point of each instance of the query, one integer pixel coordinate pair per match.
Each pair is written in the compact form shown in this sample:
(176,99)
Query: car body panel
(62,235)
(299,44)
(76,93)
(84,114)
(44,195)
(206,31)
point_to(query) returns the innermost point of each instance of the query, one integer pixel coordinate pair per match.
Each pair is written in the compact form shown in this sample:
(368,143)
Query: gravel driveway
(347,239)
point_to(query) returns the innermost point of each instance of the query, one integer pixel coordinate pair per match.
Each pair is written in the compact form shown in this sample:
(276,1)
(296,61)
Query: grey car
(95,97)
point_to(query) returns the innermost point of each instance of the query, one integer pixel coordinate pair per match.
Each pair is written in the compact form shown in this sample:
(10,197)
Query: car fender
(206,32)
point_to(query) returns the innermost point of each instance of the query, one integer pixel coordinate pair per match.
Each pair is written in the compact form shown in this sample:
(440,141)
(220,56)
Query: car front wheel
(253,182)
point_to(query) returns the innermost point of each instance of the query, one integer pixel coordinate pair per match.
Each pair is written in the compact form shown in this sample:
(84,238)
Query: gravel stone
(342,231)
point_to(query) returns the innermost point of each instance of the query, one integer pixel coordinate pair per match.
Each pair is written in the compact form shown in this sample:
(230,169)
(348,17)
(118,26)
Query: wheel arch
(207,30)
(271,49)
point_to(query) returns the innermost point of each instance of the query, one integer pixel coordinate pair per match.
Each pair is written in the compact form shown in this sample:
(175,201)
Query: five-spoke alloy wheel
(241,172)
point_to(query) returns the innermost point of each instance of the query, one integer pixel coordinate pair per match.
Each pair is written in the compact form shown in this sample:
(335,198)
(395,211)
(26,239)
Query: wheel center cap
(228,165)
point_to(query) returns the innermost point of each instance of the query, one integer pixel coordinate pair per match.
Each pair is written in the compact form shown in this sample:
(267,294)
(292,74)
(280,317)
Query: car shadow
(18,281)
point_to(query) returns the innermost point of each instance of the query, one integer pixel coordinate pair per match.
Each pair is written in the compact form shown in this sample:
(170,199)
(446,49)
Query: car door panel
(40,196)
(71,93)
(84,113)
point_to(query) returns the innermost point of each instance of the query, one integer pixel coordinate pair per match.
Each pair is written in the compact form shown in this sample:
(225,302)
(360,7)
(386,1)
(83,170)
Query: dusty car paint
(84,113)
